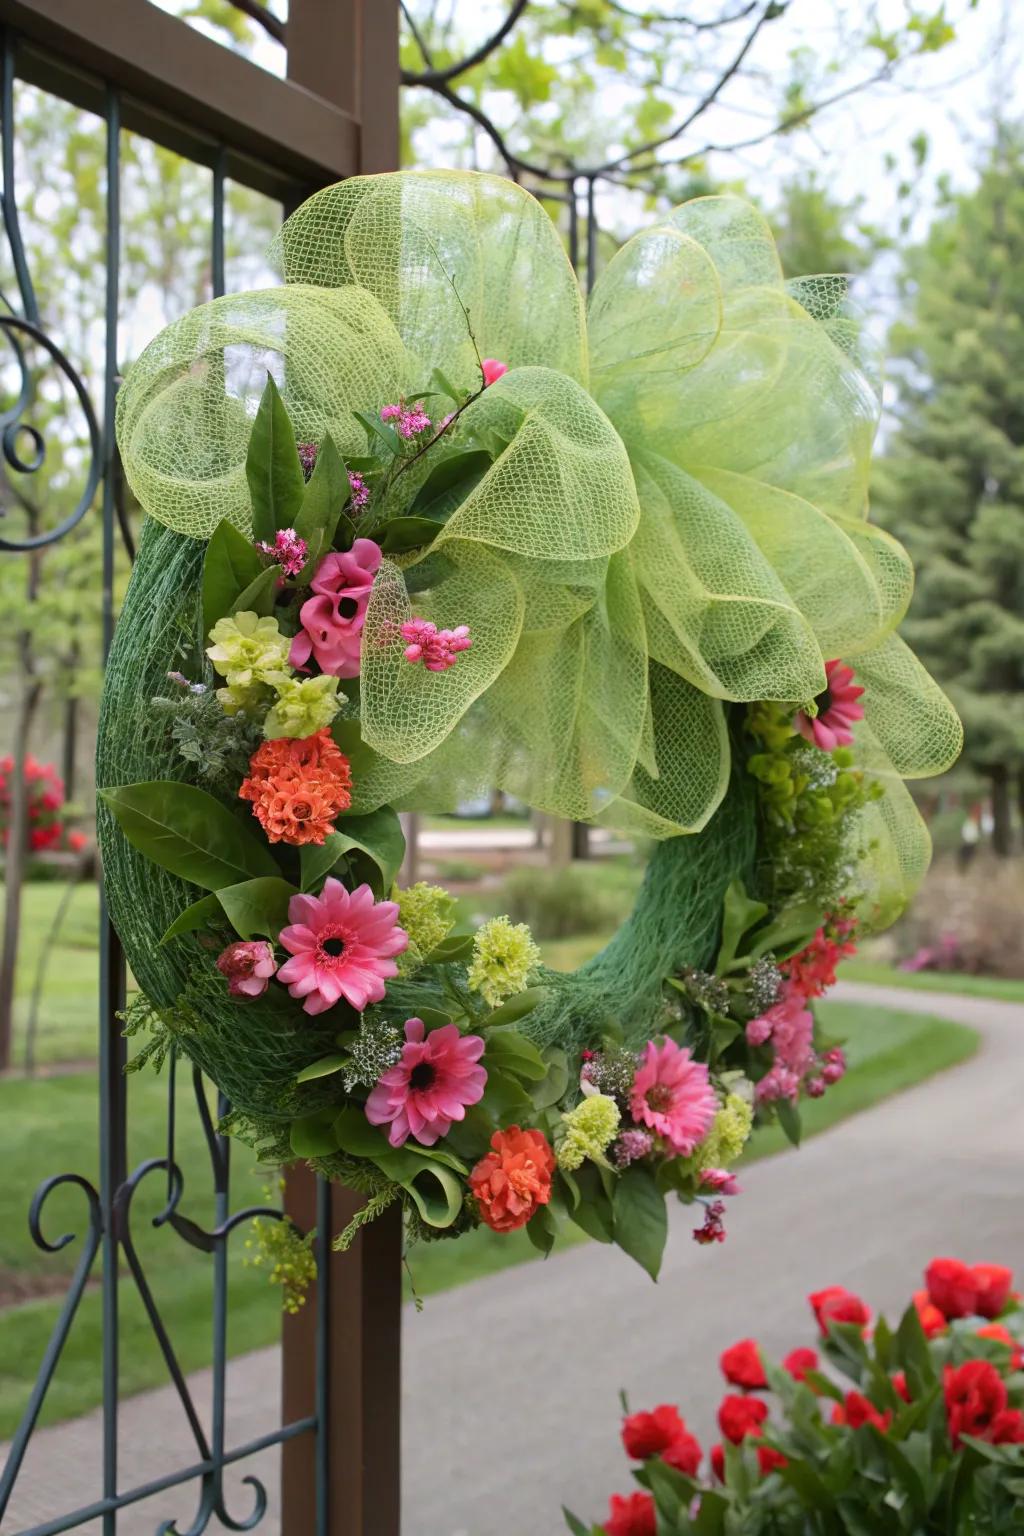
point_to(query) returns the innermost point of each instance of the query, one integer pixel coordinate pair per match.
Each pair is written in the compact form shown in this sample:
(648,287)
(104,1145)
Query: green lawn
(1000,987)
(67,1024)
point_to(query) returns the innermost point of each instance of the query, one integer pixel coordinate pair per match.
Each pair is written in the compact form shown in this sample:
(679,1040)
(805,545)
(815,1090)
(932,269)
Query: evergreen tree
(952,485)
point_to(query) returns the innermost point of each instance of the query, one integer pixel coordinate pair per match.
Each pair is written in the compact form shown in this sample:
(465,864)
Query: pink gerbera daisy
(429,1088)
(342,945)
(838,710)
(672,1095)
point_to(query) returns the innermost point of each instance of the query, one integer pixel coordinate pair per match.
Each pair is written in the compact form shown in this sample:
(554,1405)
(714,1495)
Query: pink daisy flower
(672,1095)
(838,710)
(341,945)
(429,1088)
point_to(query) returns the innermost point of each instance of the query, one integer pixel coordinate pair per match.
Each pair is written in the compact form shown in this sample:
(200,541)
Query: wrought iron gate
(334,114)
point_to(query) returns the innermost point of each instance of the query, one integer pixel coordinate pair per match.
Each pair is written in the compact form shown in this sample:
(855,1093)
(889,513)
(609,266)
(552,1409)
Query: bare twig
(432,76)
(271,24)
(657,19)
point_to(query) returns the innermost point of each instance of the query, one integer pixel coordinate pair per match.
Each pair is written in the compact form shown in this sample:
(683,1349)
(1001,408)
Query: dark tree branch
(769,13)
(435,77)
(258,13)
(655,19)
(417,37)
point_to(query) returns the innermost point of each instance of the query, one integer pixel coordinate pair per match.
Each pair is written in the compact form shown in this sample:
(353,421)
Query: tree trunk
(1002,822)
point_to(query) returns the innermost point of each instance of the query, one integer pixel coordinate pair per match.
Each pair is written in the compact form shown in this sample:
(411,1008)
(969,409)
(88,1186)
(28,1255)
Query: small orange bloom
(298,787)
(513,1179)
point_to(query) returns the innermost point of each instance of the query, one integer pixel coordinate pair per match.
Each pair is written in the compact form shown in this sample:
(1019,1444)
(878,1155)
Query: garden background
(880,141)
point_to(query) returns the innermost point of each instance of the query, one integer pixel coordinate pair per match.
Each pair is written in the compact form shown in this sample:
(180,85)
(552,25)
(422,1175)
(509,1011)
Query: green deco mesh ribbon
(677,519)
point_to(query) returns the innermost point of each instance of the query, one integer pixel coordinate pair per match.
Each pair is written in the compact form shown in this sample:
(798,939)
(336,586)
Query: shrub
(561,903)
(928,1439)
(967,920)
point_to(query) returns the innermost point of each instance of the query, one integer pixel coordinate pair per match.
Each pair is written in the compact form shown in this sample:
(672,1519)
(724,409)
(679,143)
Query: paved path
(511,1382)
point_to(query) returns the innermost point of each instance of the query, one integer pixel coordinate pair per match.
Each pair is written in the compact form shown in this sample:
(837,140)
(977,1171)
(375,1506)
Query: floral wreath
(610,566)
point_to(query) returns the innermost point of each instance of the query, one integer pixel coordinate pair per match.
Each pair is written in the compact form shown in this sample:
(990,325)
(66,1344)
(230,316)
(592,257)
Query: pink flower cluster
(332,619)
(436,648)
(288,550)
(788,1026)
(360,492)
(407,420)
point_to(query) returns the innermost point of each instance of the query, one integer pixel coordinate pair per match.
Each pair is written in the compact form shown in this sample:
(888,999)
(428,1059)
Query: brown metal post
(346,52)
(363,1383)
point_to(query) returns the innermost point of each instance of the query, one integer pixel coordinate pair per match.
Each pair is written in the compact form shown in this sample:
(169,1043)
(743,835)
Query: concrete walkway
(511,1382)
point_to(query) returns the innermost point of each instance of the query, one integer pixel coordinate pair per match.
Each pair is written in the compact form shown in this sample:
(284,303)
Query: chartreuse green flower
(427,913)
(304,706)
(276,1246)
(729,1133)
(590,1128)
(504,954)
(247,649)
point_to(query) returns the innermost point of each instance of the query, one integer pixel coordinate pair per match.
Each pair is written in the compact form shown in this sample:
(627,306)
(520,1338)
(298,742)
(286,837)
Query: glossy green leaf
(187,831)
(230,565)
(260,595)
(640,1217)
(516,1008)
(257,907)
(378,834)
(375,428)
(448,485)
(789,1119)
(314,1135)
(316,860)
(542,1230)
(322,503)
(505,1099)
(201,914)
(402,533)
(592,1213)
(739,914)
(456,947)
(553,1085)
(512,1052)
(272,467)
(325,1067)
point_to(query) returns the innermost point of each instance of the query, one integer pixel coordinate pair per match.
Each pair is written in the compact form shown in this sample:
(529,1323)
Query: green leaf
(325,1067)
(789,1119)
(378,834)
(673,1491)
(261,594)
(314,1135)
(505,1098)
(575,1525)
(187,831)
(516,1008)
(449,483)
(542,1230)
(272,468)
(456,947)
(375,428)
(641,1220)
(230,565)
(402,533)
(511,1052)
(257,906)
(317,860)
(322,501)
(791,931)
(914,1355)
(435,1189)
(554,1084)
(201,914)
(739,914)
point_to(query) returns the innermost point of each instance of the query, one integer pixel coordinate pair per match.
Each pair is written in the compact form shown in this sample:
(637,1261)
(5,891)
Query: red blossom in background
(742,1366)
(992,1288)
(931,1319)
(45,801)
(1004,1336)
(631,1514)
(856,1410)
(799,1361)
(835,1304)
(951,1287)
(975,1396)
(741,1416)
(648,1434)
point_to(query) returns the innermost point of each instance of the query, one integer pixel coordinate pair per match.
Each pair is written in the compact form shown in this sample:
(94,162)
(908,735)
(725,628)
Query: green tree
(952,483)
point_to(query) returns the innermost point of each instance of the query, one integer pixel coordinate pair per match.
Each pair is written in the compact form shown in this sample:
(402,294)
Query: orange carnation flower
(298,787)
(513,1179)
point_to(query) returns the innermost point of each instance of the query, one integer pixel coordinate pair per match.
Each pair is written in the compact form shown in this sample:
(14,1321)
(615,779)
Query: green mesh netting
(678,521)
